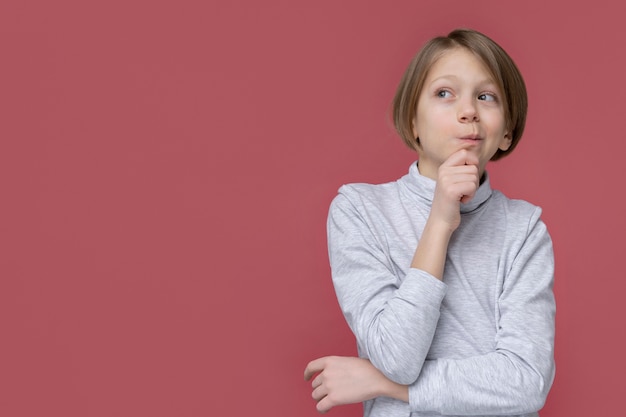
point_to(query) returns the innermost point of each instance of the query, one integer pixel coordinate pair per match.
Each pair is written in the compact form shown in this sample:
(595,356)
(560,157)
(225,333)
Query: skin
(460,124)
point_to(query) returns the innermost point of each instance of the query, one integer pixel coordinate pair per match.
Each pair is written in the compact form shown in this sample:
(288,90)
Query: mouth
(471,139)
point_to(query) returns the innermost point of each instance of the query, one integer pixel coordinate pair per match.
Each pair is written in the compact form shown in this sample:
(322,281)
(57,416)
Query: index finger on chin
(461,157)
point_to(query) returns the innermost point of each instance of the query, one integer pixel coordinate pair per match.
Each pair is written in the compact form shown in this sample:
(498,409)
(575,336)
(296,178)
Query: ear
(506,141)
(416,137)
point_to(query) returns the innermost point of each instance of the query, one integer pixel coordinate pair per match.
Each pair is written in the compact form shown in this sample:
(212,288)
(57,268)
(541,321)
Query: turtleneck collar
(422,189)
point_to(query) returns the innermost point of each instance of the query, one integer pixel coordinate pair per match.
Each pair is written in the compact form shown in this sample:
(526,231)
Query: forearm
(396,336)
(489,384)
(494,383)
(457,182)
(430,254)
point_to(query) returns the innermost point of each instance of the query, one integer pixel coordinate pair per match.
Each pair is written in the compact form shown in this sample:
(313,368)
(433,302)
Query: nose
(468,112)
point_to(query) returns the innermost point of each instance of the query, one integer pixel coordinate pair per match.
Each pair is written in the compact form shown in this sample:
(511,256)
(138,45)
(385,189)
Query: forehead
(459,63)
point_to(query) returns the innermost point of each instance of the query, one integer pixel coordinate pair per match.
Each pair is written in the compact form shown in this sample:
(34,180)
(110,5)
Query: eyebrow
(454,77)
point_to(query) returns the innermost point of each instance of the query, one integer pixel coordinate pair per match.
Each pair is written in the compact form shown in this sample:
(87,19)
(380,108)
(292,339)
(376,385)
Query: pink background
(166,169)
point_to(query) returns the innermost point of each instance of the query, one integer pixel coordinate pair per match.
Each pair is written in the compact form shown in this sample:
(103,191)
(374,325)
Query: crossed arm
(516,380)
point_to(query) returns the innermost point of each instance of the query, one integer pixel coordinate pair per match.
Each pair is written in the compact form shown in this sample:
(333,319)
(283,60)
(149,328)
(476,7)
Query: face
(459,107)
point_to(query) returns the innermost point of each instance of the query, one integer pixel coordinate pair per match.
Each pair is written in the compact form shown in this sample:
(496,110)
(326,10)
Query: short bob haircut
(500,65)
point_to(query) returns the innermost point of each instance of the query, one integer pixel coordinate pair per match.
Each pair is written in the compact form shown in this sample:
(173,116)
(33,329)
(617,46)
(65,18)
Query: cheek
(431,116)
(496,123)
(438,123)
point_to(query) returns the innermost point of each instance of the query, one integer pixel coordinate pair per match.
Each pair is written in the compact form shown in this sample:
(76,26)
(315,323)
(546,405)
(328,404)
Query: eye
(444,93)
(487,97)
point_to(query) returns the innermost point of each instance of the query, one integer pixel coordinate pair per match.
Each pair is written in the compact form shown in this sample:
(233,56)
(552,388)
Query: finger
(467,198)
(458,182)
(461,157)
(470,157)
(317,381)
(452,170)
(319,393)
(463,193)
(459,178)
(314,367)
(324,405)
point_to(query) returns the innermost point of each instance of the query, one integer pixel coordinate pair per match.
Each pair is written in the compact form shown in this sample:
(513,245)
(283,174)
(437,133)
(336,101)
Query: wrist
(394,390)
(438,227)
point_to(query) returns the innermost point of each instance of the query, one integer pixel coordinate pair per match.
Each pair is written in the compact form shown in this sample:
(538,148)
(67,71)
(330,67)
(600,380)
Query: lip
(471,137)
(471,140)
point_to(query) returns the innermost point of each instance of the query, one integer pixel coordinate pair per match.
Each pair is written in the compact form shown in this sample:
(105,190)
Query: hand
(348,380)
(457,182)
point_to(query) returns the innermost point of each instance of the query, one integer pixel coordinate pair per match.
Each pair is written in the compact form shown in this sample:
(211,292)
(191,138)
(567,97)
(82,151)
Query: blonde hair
(500,65)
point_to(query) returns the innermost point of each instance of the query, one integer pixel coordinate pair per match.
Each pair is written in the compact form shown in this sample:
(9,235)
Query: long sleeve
(515,378)
(393,317)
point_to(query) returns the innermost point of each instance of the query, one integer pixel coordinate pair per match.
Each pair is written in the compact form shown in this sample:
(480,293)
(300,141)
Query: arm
(394,322)
(457,182)
(514,379)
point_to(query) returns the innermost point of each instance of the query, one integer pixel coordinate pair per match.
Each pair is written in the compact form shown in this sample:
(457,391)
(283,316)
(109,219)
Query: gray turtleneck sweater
(478,343)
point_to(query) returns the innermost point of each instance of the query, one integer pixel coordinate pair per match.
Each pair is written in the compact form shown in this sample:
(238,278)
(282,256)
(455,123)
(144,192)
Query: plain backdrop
(165,174)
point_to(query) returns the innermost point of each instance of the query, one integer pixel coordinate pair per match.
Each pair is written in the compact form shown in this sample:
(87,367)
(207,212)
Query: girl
(445,282)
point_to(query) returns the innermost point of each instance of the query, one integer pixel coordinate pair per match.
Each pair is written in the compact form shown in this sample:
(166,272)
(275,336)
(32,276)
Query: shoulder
(362,196)
(520,214)
(517,206)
